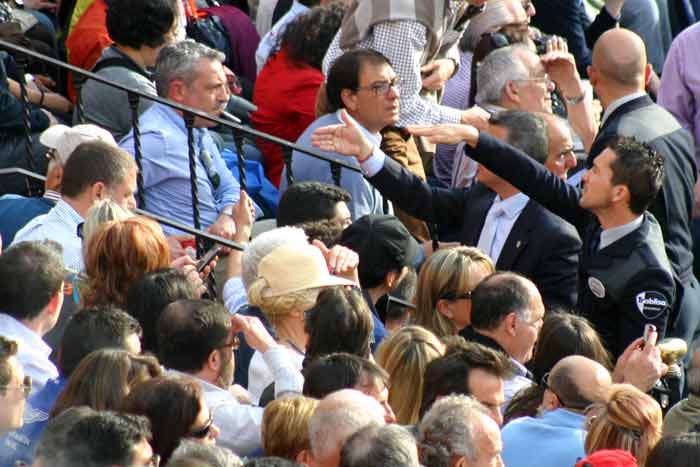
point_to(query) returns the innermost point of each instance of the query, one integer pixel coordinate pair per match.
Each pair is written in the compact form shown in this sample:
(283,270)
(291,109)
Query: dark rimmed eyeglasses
(381,88)
(204,431)
(453,296)
(234,344)
(25,387)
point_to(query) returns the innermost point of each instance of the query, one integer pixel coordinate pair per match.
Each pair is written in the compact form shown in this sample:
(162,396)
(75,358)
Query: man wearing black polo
(625,278)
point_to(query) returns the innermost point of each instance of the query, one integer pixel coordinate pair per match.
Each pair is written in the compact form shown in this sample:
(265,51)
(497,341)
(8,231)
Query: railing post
(78,82)
(335,172)
(189,123)
(134,104)
(238,142)
(22,62)
(287,156)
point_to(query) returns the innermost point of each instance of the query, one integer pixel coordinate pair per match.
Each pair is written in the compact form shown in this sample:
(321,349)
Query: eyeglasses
(25,387)
(545,79)
(234,344)
(204,431)
(453,296)
(52,154)
(545,384)
(382,87)
(568,152)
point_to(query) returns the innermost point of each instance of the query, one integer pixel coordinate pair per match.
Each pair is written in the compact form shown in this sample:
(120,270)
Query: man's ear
(176,90)
(98,191)
(304,457)
(391,278)
(510,322)
(510,92)
(214,361)
(349,99)
(550,401)
(620,193)
(647,75)
(56,302)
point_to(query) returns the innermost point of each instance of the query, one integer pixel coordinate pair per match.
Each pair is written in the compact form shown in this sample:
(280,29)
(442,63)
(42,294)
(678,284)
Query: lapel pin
(518,243)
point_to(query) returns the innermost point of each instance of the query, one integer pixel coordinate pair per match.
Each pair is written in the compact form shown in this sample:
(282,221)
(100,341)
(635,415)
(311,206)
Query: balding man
(556,438)
(338,416)
(618,75)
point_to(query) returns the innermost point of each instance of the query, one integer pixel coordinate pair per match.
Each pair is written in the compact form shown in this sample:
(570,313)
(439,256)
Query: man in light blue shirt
(364,84)
(191,74)
(557,437)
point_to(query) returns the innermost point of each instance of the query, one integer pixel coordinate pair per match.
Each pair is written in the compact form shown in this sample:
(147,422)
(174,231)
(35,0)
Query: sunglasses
(204,431)
(234,344)
(25,387)
(452,296)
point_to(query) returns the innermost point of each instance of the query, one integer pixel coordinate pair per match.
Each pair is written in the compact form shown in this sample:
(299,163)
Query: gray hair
(337,417)
(449,429)
(263,244)
(494,17)
(388,446)
(526,131)
(179,60)
(494,72)
(211,455)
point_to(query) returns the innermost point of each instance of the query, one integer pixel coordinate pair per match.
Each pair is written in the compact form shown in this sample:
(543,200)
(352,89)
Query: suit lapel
(478,206)
(518,238)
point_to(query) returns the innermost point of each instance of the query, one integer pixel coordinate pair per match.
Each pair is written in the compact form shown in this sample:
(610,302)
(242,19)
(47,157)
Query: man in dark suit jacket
(618,76)
(625,277)
(532,242)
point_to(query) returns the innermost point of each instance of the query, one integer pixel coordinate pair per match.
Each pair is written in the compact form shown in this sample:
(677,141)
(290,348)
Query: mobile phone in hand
(208,256)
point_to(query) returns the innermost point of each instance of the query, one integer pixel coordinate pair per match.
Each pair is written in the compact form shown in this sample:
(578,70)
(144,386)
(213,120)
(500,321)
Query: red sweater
(285,94)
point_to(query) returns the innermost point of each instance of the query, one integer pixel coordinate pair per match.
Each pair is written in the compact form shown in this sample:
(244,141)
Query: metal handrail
(163,220)
(183,108)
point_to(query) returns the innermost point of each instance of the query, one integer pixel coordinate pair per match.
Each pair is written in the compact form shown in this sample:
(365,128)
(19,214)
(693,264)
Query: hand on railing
(223,227)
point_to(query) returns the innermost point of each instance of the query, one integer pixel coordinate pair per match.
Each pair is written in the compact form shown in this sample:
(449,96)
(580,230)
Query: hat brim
(328,281)
(52,135)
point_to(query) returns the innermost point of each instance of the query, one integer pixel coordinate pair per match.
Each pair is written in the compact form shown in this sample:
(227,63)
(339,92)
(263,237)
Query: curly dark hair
(307,38)
(138,23)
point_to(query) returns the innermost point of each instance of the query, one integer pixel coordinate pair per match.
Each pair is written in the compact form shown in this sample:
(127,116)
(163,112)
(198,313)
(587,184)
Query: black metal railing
(189,114)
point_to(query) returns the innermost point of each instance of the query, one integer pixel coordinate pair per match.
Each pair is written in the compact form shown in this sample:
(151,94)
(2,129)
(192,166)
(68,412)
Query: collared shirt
(32,352)
(260,375)
(613,234)
(269,41)
(240,424)
(166,170)
(553,440)
(52,195)
(234,294)
(614,105)
(679,92)
(403,43)
(499,222)
(60,224)
(365,198)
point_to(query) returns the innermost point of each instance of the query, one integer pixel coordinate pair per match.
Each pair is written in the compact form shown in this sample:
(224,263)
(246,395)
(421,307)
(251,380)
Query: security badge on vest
(625,285)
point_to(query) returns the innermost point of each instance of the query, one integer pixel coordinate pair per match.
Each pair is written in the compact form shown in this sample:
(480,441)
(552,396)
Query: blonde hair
(405,355)
(102,211)
(285,426)
(629,420)
(449,270)
(279,307)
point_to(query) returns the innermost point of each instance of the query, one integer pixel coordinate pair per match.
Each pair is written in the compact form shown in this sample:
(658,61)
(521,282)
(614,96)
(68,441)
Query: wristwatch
(577,99)
(228,210)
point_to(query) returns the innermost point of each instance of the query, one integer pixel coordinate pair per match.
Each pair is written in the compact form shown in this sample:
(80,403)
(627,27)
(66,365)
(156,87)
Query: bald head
(620,57)
(579,381)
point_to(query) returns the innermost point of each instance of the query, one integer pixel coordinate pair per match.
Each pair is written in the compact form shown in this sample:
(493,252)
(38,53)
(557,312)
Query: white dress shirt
(240,424)
(60,224)
(260,375)
(499,222)
(32,352)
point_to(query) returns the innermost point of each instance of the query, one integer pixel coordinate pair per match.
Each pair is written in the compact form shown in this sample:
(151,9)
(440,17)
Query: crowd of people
(501,271)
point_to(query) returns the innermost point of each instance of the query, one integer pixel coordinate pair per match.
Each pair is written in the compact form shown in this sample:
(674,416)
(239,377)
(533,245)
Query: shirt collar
(375,138)
(613,234)
(175,118)
(65,210)
(32,340)
(52,195)
(512,206)
(617,103)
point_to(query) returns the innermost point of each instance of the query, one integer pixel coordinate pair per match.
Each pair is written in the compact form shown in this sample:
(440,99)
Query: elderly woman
(288,284)
(445,283)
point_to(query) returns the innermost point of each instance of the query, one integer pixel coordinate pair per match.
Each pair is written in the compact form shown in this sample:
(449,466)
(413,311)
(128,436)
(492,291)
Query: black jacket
(623,286)
(673,207)
(540,246)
